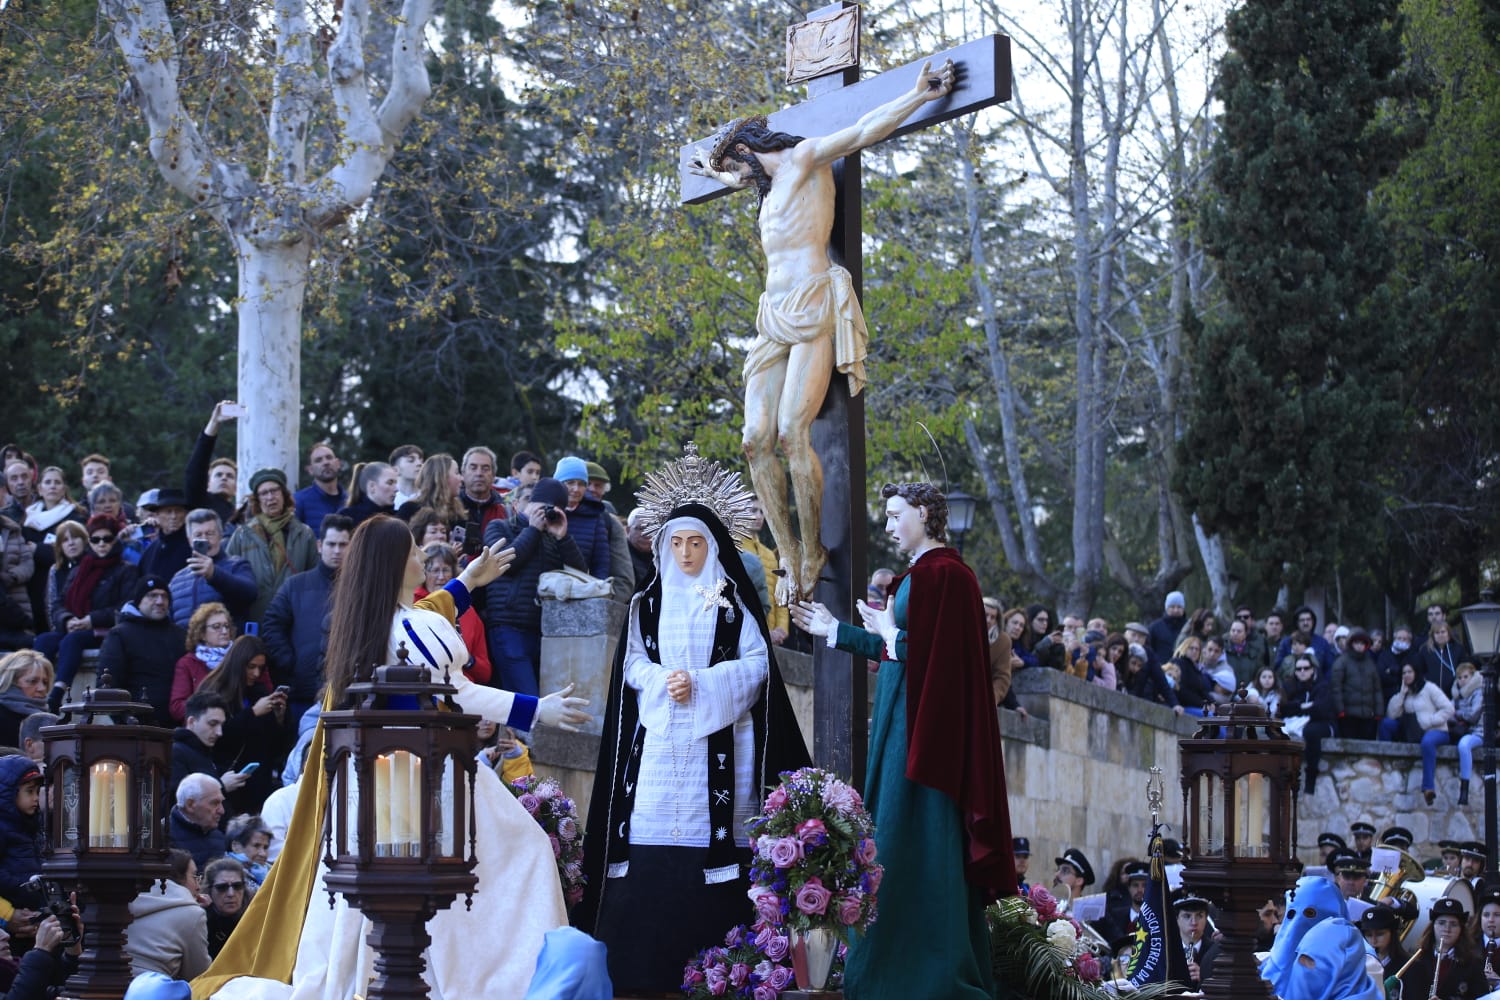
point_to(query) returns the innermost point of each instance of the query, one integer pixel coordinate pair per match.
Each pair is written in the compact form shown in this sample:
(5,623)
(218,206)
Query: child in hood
(20,831)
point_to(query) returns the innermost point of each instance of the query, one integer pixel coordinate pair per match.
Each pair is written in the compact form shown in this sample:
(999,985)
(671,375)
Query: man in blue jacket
(295,625)
(210,573)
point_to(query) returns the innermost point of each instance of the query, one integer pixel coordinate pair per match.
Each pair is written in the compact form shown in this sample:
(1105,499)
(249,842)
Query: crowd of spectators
(1336,681)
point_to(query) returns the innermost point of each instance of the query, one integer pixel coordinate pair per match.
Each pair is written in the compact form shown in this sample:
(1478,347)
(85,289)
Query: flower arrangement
(557,814)
(1026,921)
(752,964)
(814,864)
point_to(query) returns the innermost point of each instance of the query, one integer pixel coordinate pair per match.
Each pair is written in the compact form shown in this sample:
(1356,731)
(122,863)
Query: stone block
(584,661)
(594,616)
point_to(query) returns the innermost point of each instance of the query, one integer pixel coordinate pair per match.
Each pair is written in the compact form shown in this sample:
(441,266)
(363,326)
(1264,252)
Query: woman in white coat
(1433,711)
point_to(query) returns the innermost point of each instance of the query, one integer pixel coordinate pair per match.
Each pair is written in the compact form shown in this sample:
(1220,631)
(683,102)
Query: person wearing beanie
(541,535)
(585,515)
(140,653)
(1164,631)
(84,594)
(275,544)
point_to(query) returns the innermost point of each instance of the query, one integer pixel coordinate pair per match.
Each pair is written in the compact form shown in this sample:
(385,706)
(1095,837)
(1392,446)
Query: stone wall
(1077,768)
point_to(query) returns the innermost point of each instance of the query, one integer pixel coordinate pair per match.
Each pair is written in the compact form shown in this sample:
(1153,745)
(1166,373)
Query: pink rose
(875,874)
(738,974)
(781,978)
(776,799)
(1043,902)
(691,976)
(567,828)
(812,898)
(865,851)
(1088,968)
(850,905)
(556,845)
(787,851)
(530,803)
(812,831)
(715,981)
(777,947)
(764,991)
(767,904)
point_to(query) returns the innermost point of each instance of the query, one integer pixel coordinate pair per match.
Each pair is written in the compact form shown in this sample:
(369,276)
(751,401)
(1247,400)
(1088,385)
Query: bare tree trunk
(274,223)
(1216,566)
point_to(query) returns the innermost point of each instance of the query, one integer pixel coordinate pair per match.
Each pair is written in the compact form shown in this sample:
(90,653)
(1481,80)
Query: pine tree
(1294,381)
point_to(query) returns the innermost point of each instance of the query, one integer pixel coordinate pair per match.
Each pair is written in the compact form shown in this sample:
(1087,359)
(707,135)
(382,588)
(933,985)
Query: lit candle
(382,801)
(97,793)
(400,799)
(119,821)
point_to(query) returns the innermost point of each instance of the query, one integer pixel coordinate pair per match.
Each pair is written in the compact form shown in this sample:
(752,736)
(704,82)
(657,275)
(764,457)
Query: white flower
(1060,935)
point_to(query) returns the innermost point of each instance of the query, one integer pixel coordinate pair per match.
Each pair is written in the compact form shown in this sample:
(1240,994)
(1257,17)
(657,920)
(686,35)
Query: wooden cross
(836,99)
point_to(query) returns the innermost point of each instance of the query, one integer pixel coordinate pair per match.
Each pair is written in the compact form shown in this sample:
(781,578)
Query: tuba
(1391,883)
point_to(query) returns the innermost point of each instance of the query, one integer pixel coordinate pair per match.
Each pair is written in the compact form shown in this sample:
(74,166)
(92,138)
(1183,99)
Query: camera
(57,905)
(552,515)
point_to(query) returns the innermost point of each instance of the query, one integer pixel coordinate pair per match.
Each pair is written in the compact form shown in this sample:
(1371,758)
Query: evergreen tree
(1295,383)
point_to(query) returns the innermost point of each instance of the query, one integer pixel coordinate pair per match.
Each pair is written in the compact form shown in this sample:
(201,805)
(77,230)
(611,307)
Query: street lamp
(106,825)
(1240,774)
(961,509)
(405,848)
(1482,623)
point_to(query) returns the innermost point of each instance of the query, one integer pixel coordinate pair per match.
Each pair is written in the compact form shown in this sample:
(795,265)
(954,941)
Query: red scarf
(952,729)
(86,576)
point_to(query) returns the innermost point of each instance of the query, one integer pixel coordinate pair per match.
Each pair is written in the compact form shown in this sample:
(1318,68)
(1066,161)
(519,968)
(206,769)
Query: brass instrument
(1392,885)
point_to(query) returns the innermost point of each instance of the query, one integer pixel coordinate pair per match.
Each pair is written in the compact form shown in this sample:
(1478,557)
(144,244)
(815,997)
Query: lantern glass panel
(149,836)
(1252,815)
(1209,820)
(65,785)
(109,805)
(398,814)
(447,826)
(346,828)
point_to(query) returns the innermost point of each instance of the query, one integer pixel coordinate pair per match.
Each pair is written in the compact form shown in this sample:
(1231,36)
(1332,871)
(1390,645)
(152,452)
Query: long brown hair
(228,678)
(366,592)
(434,491)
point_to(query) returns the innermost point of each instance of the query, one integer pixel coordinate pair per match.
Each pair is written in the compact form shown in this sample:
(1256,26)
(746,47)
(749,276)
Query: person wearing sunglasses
(1307,713)
(90,582)
(229,892)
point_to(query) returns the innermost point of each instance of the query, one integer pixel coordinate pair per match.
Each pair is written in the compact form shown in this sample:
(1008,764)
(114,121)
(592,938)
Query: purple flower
(714,980)
(812,898)
(765,991)
(777,947)
(556,845)
(850,904)
(567,828)
(574,896)
(762,969)
(767,904)
(841,798)
(874,875)
(738,973)
(812,831)
(547,789)
(781,977)
(530,803)
(776,799)
(865,850)
(786,852)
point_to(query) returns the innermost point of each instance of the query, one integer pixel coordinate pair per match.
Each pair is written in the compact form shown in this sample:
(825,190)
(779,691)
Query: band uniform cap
(1397,836)
(1171,849)
(1074,857)
(1473,849)
(1190,903)
(1379,918)
(1349,864)
(1138,869)
(1362,829)
(1448,907)
(1446,846)
(1331,840)
(1020,846)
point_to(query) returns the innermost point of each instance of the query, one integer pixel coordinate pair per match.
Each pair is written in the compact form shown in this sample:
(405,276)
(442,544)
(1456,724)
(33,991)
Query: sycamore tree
(201,78)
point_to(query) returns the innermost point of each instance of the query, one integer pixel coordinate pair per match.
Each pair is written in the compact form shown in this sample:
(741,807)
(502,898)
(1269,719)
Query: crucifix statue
(803,162)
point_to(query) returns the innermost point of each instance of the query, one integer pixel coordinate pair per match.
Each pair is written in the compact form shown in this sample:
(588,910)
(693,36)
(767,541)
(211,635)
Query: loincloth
(823,305)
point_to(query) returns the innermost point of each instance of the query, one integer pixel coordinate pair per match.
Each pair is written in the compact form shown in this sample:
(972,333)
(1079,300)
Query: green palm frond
(1027,966)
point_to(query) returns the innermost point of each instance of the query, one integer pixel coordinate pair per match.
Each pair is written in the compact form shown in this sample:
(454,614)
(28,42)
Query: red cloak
(952,728)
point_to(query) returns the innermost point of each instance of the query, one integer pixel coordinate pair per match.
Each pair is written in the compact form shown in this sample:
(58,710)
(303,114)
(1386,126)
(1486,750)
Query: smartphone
(473,539)
(252,628)
(283,689)
(250,767)
(232,410)
(201,546)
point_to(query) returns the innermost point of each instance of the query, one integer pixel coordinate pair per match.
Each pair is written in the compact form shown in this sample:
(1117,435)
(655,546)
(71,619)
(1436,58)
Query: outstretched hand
(935,86)
(489,565)
(561,711)
(812,618)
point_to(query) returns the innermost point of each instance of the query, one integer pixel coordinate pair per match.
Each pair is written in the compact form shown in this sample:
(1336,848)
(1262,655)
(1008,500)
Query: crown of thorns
(724,138)
(694,479)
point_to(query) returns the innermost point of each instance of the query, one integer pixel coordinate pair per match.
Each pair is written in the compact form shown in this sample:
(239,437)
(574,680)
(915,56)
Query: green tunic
(930,940)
